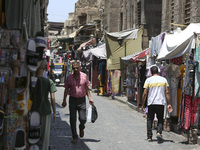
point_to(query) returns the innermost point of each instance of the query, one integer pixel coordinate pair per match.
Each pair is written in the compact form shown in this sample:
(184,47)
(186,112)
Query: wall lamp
(120,40)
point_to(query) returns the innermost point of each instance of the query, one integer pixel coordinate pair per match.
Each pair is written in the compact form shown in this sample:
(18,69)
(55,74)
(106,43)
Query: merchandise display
(130,82)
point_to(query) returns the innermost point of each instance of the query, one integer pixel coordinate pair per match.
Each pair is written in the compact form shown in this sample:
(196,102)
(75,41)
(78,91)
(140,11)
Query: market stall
(180,50)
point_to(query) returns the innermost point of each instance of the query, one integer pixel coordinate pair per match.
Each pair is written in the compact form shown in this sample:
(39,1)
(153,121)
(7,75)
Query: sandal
(149,140)
(19,140)
(34,147)
(74,141)
(34,131)
(159,137)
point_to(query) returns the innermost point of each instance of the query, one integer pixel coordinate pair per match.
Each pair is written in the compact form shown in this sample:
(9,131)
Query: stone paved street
(118,127)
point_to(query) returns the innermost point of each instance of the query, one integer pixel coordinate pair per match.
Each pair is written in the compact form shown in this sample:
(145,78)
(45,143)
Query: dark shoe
(74,141)
(81,133)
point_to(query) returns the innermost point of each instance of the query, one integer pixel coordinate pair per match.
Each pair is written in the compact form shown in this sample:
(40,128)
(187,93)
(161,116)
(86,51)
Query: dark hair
(154,70)
(39,33)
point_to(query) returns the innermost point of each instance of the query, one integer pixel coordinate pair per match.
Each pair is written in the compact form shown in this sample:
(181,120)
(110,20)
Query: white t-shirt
(156,86)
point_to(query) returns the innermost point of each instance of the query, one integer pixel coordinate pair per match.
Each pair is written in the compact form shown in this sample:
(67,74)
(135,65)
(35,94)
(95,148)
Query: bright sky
(58,9)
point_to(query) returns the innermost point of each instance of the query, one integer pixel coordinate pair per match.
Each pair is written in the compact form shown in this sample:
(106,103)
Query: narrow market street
(118,127)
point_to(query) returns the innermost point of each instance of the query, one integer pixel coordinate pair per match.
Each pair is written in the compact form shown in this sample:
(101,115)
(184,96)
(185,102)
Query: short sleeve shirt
(52,86)
(41,101)
(156,86)
(77,87)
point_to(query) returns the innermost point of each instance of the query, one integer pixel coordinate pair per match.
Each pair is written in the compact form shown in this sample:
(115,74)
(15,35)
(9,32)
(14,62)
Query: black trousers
(77,105)
(159,111)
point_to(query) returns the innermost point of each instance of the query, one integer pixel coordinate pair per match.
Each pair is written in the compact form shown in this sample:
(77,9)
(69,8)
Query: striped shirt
(156,86)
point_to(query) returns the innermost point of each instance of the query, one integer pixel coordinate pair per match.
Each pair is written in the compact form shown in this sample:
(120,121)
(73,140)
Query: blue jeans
(77,105)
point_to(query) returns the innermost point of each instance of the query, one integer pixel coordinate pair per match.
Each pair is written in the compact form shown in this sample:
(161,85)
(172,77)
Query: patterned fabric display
(13,121)
(188,85)
(197,69)
(177,60)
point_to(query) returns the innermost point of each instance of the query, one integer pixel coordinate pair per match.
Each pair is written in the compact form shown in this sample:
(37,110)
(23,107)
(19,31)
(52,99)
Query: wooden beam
(181,25)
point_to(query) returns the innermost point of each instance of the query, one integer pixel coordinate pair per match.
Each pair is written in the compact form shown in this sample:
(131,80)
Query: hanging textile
(14,13)
(189,104)
(32,17)
(109,83)
(156,43)
(172,75)
(115,76)
(132,43)
(179,44)
(189,74)
(189,114)
(95,81)
(197,69)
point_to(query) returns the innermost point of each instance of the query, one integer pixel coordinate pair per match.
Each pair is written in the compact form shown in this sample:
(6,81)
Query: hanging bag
(92,114)
(89,114)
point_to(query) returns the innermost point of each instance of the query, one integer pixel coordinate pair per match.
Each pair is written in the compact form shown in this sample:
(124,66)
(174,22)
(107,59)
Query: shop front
(22,48)
(179,61)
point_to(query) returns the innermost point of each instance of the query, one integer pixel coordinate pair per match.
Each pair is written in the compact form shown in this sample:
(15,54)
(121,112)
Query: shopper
(157,94)
(77,85)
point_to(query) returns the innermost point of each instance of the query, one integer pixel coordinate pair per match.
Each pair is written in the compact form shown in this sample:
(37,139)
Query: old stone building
(177,13)
(86,19)
(131,14)
(116,15)
(155,16)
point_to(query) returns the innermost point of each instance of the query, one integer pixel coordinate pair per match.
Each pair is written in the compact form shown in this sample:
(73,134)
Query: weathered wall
(179,13)
(88,8)
(111,15)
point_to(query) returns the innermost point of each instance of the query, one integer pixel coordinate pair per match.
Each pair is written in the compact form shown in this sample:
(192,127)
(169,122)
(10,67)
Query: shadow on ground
(60,137)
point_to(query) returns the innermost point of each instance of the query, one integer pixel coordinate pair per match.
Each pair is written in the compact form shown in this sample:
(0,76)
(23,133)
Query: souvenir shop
(135,72)
(130,85)
(22,47)
(119,45)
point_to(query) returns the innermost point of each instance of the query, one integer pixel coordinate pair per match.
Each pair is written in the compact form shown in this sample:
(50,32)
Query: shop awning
(140,55)
(178,44)
(127,34)
(131,43)
(127,59)
(99,52)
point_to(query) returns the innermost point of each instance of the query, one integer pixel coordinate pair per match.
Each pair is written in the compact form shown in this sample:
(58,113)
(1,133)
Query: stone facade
(111,15)
(155,16)
(117,15)
(179,12)
(70,24)
(131,14)
(86,12)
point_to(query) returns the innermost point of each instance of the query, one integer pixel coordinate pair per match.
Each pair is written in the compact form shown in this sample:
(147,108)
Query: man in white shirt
(157,94)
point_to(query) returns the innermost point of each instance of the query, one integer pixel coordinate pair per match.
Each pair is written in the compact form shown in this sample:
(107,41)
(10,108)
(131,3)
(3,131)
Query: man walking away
(157,94)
